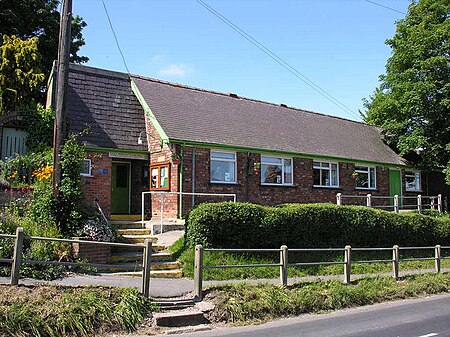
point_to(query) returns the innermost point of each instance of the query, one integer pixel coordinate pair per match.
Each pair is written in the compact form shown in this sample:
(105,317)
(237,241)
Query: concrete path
(181,288)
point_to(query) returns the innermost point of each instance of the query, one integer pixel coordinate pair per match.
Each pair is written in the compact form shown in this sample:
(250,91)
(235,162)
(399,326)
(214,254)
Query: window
(223,167)
(86,168)
(412,181)
(160,177)
(276,171)
(325,174)
(365,177)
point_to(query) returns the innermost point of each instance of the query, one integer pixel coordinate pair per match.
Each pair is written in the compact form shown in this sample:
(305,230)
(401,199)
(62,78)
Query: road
(426,317)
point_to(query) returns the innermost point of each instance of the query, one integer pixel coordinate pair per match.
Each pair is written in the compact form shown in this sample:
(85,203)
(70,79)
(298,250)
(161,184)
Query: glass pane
(372,177)
(325,178)
(164,177)
(122,176)
(271,174)
(326,165)
(334,175)
(316,164)
(86,167)
(417,179)
(222,171)
(316,177)
(362,180)
(222,155)
(361,168)
(271,160)
(154,181)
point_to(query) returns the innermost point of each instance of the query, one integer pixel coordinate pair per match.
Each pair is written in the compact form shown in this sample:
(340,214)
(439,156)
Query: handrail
(100,210)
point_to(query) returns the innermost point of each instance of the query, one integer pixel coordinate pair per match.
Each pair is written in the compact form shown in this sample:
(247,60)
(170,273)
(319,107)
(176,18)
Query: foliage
(412,103)
(21,78)
(97,229)
(62,311)
(255,303)
(242,225)
(39,125)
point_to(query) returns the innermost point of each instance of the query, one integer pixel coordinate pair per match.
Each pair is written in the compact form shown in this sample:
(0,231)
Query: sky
(339,45)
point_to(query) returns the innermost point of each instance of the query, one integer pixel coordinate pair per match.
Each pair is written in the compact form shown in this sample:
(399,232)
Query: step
(175,304)
(134,231)
(157,265)
(179,318)
(127,217)
(137,257)
(139,238)
(175,273)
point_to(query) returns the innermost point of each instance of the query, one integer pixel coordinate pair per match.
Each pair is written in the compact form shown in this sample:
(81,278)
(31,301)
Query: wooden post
(437,261)
(348,264)
(419,203)
(17,257)
(339,199)
(146,264)
(284,265)
(198,273)
(395,261)
(396,204)
(439,200)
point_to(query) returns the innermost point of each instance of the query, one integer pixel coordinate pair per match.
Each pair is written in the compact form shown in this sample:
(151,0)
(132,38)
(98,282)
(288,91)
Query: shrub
(245,225)
(97,229)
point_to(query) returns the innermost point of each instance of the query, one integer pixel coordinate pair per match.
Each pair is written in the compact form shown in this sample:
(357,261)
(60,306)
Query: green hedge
(243,225)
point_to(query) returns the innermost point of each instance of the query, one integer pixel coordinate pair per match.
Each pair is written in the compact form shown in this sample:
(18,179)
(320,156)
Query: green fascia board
(149,112)
(294,154)
(104,149)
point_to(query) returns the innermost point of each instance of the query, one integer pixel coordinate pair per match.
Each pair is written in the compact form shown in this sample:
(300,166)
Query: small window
(412,181)
(160,177)
(276,171)
(325,174)
(223,167)
(86,168)
(365,177)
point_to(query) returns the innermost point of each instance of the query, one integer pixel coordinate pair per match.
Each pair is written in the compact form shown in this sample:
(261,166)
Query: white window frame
(367,170)
(87,174)
(234,161)
(282,170)
(329,172)
(415,175)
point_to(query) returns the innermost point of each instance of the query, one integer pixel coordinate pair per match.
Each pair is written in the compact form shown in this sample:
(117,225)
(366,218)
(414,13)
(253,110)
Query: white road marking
(429,335)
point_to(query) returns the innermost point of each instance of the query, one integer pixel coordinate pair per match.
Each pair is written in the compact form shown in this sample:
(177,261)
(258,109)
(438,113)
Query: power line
(115,37)
(279,60)
(381,5)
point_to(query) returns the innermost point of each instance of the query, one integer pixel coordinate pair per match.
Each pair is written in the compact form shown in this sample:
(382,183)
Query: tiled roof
(196,115)
(103,100)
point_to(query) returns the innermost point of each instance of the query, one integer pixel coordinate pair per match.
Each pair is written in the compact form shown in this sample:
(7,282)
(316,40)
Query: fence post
(348,264)
(198,273)
(395,260)
(146,268)
(283,265)
(437,261)
(17,257)
(369,200)
(439,200)
(419,203)
(396,205)
(339,199)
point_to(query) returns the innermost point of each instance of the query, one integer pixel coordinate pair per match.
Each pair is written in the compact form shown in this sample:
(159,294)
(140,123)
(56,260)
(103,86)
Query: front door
(120,188)
(395,185)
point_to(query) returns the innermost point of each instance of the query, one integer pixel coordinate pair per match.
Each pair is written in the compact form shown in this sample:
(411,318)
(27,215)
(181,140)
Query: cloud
(157,57)
(176,70)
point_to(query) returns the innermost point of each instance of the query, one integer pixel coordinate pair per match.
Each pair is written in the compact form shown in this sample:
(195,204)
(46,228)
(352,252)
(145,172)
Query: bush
(246,225)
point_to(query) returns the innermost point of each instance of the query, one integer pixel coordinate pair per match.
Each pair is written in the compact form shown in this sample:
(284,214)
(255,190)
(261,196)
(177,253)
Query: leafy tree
(40,18)
(412,103)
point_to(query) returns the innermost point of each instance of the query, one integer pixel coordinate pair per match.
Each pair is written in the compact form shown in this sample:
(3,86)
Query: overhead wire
(280,60)
(384,6)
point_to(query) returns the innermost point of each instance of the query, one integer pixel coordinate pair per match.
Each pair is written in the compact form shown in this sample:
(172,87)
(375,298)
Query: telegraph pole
(60,127)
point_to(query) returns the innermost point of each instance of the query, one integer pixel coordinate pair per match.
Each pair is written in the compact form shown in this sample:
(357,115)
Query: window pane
(325,178)
(271,174)
(372,177)
(86,167)
(164,177)
(222,155)
(222,171)
(325,165)
(362,180)
(316,164)
(334,175)
(361,168)
(316,177)
(154,183)
(122,176)
(270,160)
(288,171)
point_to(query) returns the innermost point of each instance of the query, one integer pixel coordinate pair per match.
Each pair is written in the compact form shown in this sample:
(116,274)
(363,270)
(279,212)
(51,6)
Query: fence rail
(347,261)
(17,258)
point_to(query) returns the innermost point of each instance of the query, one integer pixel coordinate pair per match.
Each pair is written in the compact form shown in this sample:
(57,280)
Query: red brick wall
(93,253)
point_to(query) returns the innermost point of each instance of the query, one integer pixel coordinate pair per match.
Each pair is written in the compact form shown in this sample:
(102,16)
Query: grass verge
(256,303)
(43,311)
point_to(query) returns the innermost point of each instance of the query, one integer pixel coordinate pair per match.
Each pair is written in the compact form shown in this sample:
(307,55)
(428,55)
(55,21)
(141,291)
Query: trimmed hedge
(243,225)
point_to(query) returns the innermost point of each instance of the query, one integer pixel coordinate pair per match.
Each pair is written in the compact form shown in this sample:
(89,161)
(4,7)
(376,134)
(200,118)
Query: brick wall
(93,253)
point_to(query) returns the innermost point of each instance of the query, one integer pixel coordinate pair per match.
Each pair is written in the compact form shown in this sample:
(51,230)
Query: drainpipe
(193,176)
(180,212)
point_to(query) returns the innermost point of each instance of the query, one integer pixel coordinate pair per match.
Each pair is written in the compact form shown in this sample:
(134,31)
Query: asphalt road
(426,317)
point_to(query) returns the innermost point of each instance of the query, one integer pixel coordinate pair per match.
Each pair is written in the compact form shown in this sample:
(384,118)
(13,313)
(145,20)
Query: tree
(412,103)
(40,18)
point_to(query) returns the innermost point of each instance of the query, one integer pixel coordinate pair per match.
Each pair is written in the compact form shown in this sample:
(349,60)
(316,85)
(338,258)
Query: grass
(254,303)
(43,311)
(186,255)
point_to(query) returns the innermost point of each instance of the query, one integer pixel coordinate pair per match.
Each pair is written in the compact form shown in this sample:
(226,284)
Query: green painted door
(395,185)
(120,188)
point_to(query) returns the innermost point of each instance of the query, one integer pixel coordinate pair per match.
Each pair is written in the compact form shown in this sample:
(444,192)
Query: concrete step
(137,257)
(175,304)
(127,224)
(179,318)
(126,217)
(176,273)
(157,265)
(133,238)
(134,231)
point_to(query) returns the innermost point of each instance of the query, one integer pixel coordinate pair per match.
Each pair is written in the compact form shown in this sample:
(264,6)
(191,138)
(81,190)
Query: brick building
(151,135)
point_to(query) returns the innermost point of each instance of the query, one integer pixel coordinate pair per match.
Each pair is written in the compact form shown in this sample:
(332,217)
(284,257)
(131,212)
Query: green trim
(149,112)
(103,149)
(180,174)
(294,154)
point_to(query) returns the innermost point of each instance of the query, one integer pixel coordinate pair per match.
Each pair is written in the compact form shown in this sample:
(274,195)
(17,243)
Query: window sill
(413,191)
(366,189)
(328,187)
(87,175)
(222,183)
(279,185)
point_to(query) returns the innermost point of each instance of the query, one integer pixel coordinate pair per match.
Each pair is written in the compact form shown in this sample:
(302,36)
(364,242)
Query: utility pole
(60,127)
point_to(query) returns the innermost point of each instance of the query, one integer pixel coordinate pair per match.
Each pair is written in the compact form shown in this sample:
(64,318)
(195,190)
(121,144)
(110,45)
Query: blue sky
(338,44)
